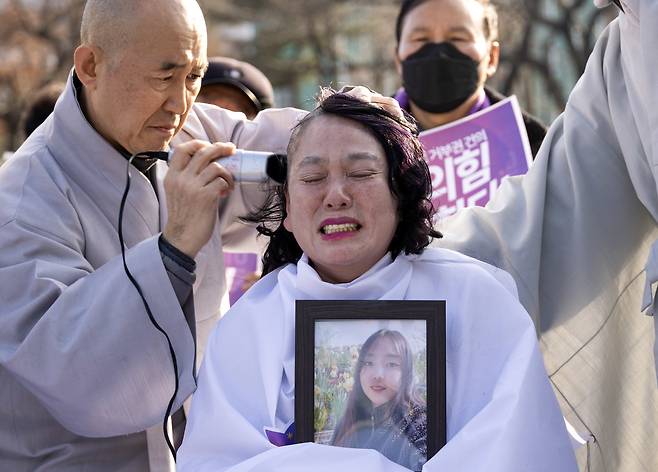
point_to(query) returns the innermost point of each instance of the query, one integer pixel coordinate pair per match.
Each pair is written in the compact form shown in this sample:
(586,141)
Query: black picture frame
(310,312)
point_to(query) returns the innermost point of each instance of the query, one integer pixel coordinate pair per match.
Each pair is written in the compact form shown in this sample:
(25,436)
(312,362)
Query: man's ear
(494,57)
(86,60)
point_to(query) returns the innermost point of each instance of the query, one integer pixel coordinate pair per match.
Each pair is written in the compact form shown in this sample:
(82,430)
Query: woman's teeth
(330,229)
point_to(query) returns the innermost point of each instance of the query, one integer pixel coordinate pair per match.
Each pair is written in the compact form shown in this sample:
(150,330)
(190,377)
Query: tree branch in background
(37,40)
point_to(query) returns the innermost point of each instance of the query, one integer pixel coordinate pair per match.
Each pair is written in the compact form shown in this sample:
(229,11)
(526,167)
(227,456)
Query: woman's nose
(338,195)
(378,372)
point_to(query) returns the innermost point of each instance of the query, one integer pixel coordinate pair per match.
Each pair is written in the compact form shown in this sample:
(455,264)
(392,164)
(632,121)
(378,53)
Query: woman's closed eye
(363,174)
(311,178)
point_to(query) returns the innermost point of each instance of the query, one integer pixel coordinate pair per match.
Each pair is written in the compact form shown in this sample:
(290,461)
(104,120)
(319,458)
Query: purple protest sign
(468,158)
(238,267)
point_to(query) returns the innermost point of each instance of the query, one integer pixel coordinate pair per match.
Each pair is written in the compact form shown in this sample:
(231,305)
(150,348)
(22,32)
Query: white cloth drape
(502,413)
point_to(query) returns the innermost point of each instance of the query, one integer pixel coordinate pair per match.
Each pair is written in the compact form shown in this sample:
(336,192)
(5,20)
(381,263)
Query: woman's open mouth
(340,228)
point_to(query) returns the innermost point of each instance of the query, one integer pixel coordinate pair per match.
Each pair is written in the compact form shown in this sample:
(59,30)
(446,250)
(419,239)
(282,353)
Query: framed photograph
(372,374)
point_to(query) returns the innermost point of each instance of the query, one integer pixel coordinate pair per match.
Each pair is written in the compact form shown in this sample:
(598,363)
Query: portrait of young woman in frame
(371,375)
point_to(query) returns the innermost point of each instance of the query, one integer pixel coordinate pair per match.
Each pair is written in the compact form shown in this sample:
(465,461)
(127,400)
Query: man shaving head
(140,64)
(94,387)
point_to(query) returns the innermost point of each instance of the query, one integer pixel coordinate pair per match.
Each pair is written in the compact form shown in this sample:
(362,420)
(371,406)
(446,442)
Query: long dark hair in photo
(409,181)
(359,407)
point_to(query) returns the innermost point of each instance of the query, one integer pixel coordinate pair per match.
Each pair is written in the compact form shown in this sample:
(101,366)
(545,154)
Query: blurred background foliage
(301,44)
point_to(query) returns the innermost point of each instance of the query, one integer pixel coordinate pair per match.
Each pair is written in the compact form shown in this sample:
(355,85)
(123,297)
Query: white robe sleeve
(80,340)
(502,413)
(575,233)
(581,221)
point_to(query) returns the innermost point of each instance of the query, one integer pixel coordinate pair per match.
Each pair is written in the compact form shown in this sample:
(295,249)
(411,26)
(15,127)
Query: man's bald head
(111,24)
(140,64)
(107,24)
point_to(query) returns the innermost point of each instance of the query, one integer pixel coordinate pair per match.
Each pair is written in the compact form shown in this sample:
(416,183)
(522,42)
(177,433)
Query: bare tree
(545,46)
(545,43)
(297,39)
(37,39)
(302,43)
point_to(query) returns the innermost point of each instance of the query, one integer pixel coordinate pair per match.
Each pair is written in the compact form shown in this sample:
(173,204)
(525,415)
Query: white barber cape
(577,233)
(502,413)
(83,372)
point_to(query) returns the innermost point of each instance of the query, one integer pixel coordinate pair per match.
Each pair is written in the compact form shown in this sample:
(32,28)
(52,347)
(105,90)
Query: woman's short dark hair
(409,181)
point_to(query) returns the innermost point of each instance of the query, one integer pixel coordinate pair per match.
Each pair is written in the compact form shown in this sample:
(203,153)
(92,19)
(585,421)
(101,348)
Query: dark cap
(254,84)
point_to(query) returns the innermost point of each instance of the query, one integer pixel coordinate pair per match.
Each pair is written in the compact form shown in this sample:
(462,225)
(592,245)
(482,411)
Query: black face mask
(438,77)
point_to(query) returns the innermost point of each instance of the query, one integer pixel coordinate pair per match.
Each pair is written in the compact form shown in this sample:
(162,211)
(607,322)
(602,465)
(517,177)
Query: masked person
(446,50)
(352,222)
(578,233)
(86,377)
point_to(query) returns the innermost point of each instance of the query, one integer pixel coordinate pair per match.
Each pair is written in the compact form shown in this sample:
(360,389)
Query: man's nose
(338,194)
(176,102)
